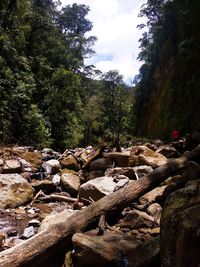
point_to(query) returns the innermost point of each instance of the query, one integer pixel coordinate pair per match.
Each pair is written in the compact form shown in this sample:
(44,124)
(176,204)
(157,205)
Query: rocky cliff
(172,97)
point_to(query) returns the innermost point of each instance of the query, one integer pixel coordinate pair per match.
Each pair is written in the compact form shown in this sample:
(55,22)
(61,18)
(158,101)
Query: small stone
(34,223)
(31,211)
(28,232)
(56,179)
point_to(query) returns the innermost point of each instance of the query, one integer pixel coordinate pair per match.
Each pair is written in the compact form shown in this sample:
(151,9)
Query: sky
(115,26)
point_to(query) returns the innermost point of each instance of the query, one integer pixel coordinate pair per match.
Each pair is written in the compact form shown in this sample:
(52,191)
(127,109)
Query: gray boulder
(70,183)
(95,189)
(180,222)
(14,191)
(12,166)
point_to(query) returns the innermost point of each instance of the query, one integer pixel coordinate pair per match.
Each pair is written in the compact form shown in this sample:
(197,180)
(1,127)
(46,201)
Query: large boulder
(120,158)
(127,171)
(168,151)
(100,164)
(142,155)
(115,250)
(95,189)
(93,251)
(12,166)
(34,158)
(130,172)
(155,211)
(93,174)
(14,191)
(51,166)
(153,196)
(180,222)
(70,183)
(137,219)
(70,162)
(45,185)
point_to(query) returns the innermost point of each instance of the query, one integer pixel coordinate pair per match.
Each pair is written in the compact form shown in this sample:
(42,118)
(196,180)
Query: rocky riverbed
(39,189)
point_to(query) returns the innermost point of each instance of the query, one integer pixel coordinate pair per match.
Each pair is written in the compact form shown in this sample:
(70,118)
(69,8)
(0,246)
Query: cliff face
(173,98)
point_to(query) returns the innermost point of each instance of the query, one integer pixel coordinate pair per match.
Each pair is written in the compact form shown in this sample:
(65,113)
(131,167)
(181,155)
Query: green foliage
(167,86)
(115,95)
(46,95)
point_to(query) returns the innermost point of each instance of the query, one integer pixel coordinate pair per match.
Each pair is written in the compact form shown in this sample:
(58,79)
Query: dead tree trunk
(35,251)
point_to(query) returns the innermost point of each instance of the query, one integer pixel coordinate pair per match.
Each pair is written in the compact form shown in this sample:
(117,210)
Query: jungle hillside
(50,97)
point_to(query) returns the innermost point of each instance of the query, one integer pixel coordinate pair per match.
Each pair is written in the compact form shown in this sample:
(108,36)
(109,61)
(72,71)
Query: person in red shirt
(175,135)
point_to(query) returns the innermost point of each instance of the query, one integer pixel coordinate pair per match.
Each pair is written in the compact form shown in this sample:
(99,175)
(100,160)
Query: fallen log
(36,250)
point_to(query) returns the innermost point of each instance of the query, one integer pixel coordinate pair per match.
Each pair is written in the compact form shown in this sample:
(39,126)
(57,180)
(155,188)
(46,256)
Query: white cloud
(115,25)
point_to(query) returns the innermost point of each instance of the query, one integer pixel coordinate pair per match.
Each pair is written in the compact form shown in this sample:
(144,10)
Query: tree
(115,104)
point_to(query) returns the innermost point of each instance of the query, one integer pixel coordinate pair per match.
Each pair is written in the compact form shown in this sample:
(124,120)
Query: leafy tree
(115,104)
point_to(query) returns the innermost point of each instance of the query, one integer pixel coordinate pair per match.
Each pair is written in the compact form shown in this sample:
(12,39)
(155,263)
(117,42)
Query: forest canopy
(48,96)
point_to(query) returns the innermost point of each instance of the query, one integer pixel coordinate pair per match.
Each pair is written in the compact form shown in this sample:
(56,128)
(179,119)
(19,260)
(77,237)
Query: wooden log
(36,250)
(54,197)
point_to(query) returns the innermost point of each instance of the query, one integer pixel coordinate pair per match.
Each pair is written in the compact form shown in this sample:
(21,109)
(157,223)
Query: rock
(176,180)
(142,170)
(130,172)
(26,166)
(51,166)
(34,223)
(100,164)
(168,151)
(153,147)
(45,185)
(142,155)
(120,181)
(93,251)
(12,166)
(34,158)
(137,219)
(121,159)
(14,191)
(70,183)
(39,175)
(47,150)
(62,171)
(56,179)
(87,154)
(70,162)
(94,174)
(28,232)
(180,220)
(26,175)
(95,189)
(155,210)
(2,240)
(192,171)
(153,196)
(115,250)
(127,171)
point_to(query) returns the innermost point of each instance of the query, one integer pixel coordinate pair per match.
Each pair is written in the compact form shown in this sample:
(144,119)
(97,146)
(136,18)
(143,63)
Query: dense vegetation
(168,85)
(47,95)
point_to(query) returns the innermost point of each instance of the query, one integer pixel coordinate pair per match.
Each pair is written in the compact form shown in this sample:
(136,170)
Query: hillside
(168,94)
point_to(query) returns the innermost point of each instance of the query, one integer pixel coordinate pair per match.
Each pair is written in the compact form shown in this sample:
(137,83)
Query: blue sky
(115,25)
